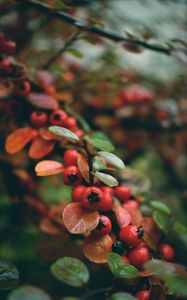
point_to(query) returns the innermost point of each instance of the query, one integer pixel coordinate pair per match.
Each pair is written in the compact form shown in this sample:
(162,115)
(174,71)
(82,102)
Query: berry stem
(90,163)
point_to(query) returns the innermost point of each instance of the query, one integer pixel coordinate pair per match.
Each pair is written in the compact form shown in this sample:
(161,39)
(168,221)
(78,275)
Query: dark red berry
(71,123)
(58,117)
(122,192)
(119,247)
(72,176)
(139,256)
(142,295)
(70,157)
(92,198)
(104,226)
(77,193)
(107,201)
(7,47)
(131,235)
(23,88)
(38,118)
(125,259)
(166,252)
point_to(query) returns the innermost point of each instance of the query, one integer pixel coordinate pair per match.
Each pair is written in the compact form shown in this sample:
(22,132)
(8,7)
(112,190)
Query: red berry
(23,88)
(72,176)
(70,157)
(50,90)
(131,204)
(167,252)
(38,118)
(77,193)
(122,192)
(35,134)
(58,117)
(107,202)
(7,47)
(131,235)
(104,226)
(71,123)
(106,189)
(79,133)
(92,198)
(125,259)
(139,256)
(142,295)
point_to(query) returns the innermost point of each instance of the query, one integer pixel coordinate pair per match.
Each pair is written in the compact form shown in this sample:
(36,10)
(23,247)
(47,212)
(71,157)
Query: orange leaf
(136,216)
(46,134)
(18,139)
(151,232)
(48,167)
(122,215)
(83,167)
(47,226)
(43,101)
(97,249)
(40,148)
(78,220)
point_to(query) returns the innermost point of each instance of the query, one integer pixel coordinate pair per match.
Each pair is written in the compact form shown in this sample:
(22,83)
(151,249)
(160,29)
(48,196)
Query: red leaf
(48,167)
(47,226)
(46,134)
(122,215)
(78,220)
(40,148)
(134,211)
(83,167)
(97,249)
(151,232)
(43,101)
(18,139)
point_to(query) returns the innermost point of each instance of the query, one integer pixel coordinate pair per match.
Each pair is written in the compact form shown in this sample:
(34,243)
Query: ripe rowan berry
(125,259)
(77,193)
(72,176)
(23,88)
(106,189)
(58,117)
(139,256)
(38,118)
(50,90)
(79,132)
(103,227)
(122,192)
(71,123)
(167,252)
(92,198)
(119,247)
(142,295)
(131,235)
(131,204)
(70,157)
(107,202)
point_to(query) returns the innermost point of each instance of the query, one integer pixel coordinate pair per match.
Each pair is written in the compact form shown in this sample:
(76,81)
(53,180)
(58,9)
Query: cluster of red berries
(129,243)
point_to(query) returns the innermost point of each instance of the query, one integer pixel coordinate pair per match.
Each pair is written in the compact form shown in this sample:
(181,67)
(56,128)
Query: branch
(82,25)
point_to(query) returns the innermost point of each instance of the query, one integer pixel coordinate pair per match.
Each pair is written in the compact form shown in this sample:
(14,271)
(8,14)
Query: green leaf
(112,159)
(9,275)
(181,232)
(65,133)
(70,271)
(122,296)
(119,268)
(60,5)
(98,164)
(106,179)
(70,298)
(160,268)
(100,141)
(160,206)
(75,52)
(162,220)
(28,292)
(176,285)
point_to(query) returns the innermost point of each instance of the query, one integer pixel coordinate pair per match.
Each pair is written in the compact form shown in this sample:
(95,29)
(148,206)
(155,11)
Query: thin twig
(84,26)
(90,163)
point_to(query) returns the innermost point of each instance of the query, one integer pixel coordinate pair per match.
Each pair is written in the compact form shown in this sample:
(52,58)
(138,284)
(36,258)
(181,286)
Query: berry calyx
(139,256)
(119,247)
(166,252)
(58,117)
(142,295)
(77,193)
(70,157)
(38,118)
(92,198)
(131,235)
(23,88)
(103,227)
(72,176)
(122,193)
